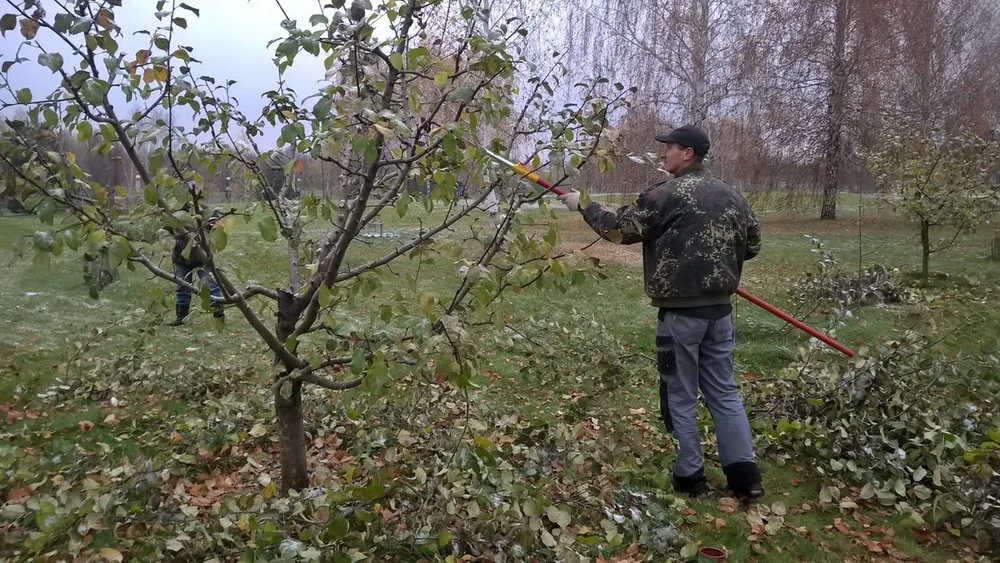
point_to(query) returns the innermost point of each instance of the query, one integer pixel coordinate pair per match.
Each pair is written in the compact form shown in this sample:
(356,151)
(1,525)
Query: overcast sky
(230,38)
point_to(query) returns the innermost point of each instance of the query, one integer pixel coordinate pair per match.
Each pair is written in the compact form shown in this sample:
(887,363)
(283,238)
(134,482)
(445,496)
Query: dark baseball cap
(689,136)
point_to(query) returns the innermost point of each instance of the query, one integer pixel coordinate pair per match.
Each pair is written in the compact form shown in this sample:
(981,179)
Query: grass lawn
(88,385)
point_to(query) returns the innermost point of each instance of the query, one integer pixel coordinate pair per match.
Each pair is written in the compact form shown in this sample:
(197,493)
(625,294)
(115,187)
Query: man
(696,233)
(184,269)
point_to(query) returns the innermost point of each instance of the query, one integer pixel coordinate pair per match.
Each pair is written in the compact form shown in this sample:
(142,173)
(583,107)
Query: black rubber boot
(181,313)
(694,485)
(744,479)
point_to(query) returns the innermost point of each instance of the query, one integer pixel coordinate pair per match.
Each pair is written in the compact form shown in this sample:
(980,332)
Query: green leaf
(324,296)
(689,550)
(53,61)
(80,25)
(461,94)
(51,119)
(72,239)
(63,22)
(85,131)
(268,228)
(322,108)
(397,60)
(386,313)
(441,78)
(24,96)
(427,303)
(7,23)
(194,11)
(93,91)
(402,204)
(359,362)
(47,211)
(218,239)
(339,527)
(444,538)
(319,19)
(371,152)
(149,195)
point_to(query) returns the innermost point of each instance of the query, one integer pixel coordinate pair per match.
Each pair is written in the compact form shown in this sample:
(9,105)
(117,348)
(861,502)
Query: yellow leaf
(141,56)
(109,554)
(105,18)
(385,131)
(160,73)
(298,165)
(29,28)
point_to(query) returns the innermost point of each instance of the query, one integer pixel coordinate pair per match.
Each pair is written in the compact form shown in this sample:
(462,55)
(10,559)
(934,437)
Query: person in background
(185,268)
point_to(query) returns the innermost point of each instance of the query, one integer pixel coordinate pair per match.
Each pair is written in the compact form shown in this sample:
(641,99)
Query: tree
(686,54)
(939,182)
(396,113)
(814,90)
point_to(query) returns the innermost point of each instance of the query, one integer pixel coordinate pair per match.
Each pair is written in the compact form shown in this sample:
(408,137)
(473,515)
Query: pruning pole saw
(526,172)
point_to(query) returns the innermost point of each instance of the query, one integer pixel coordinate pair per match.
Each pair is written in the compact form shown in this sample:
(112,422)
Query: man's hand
(571,199)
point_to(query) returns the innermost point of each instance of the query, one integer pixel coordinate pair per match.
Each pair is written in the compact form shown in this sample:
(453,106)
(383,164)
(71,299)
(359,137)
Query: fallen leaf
(842,527)
(109,554)
(86,425)
(728,504)
(874,547)
(18,495)
(637,411)
(720,523)
(14,416)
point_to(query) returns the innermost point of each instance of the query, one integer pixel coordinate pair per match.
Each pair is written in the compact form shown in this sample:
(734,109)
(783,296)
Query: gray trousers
(697,353)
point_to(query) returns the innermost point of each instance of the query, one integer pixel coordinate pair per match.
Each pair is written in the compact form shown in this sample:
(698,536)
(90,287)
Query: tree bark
(291,432)
(291,438)
(294,283)
(925,243)
(836,109)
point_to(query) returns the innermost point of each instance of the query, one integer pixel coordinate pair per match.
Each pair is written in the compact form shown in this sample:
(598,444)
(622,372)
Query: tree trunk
(293,255)
(835,114)
(291,438)
(925,244)
(700,44)
(995,250)
(288,407)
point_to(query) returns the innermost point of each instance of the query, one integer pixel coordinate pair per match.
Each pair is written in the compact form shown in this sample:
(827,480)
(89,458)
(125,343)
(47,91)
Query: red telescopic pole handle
(795,322)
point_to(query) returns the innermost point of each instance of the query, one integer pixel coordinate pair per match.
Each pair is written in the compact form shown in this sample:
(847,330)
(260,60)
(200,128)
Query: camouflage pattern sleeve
(628,224)
(753,237)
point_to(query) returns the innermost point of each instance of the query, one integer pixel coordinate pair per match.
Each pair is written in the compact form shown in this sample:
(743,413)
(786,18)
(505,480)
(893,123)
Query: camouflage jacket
(695,231)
